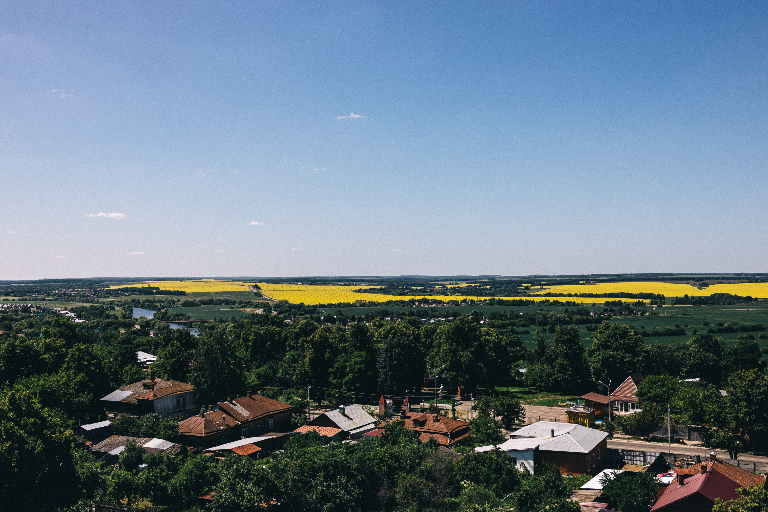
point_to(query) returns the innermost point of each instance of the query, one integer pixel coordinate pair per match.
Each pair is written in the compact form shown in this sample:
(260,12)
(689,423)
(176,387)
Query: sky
(253,138)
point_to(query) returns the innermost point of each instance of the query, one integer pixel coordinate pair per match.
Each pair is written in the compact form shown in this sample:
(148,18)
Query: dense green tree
(752,499)
(486,430)
(658,390)
(630,492)
(544,490)
(401,364)
(661,359)
(745,355)
(616,351)
(702,357)
(36,455)
(508,409)
(131,457)
(564,367)
(217,372)
(245,485)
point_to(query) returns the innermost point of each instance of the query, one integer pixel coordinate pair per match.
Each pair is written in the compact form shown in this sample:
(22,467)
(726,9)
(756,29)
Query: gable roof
(626,391)
(354,419)
(740,476)
(568,437)
(710,485)
(148,389)
(252,407)
(595,397)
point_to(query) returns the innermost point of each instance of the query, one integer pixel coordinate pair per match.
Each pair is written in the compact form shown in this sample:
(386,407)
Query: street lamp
(609,396)
(435,374)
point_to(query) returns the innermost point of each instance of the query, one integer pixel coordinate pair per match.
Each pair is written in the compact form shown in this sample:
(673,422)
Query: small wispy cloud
(12,232)
(116,216)
(297,248)
(352,116)
(319,169)
(397,250)
(136,253)
(61,93)
(219,250)
(60,257)
(256,223)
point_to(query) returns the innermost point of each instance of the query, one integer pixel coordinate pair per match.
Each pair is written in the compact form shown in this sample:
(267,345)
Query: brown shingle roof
(738,475)
(595,397)
(323,431)
(246,449)
(145,390)
(252,407)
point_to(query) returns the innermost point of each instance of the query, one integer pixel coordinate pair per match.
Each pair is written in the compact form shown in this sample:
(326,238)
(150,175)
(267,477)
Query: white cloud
(297,249)
(397,250)
(62,95)
(116,216)
(12,232)
(218,250)
(352,116)
(136,253)
(256,223)
(60,257)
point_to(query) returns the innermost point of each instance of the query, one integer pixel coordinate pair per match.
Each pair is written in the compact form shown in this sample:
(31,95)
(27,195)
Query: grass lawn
(531,396)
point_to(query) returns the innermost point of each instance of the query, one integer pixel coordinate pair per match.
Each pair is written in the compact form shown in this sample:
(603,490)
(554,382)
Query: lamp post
(609,396)
(435,374)
(309,406)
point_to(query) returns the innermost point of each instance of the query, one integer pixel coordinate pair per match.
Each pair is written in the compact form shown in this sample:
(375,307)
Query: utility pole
(669,433)
(309,406)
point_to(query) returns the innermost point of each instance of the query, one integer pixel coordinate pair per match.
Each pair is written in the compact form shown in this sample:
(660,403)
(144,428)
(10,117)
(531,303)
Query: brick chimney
(406,406)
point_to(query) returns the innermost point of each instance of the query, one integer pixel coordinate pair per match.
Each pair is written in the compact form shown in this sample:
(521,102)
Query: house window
(258,427)
(598,454)
(244,432)
(271,423)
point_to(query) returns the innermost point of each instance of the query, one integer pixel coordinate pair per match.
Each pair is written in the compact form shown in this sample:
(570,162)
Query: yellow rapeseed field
(203,286)
(326,294)
(667,289)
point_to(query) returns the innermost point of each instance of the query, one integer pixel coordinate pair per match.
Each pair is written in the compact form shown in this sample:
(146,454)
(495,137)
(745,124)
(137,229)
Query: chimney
(229,399)
(342,410)
(712,456)
(382,406)
(553,432)
(248,394)
(406,406)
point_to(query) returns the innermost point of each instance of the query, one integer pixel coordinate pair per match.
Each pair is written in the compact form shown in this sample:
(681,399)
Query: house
(623,399)
(581,415)
(351,419)
(113,446)
(697,492)
(574,449)
(446,431)
(159,396)
(235,419)
(524,452)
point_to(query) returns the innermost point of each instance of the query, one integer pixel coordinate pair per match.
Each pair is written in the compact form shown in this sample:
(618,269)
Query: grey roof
(595,483)
(235,444)
(94,426)
(354,419)
(144,357)
(159,444)
(568,437)
(117,396)
(514,445)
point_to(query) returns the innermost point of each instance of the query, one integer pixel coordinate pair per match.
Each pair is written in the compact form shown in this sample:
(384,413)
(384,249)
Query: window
(244,432)
(598,454)
(258,427)
(271,423)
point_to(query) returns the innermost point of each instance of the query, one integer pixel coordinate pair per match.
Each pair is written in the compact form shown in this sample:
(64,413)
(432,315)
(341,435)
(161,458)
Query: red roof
(323,431)
(711,485)
(246,449)
(594,397)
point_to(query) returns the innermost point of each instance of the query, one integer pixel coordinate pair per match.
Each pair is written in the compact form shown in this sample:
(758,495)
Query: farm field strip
(203,286)
(759,290)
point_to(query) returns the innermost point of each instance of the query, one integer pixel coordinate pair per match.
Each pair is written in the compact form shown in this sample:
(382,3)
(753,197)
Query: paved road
(621,444)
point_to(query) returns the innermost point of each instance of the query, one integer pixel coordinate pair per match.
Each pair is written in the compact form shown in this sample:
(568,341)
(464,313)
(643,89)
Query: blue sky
(382,138)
